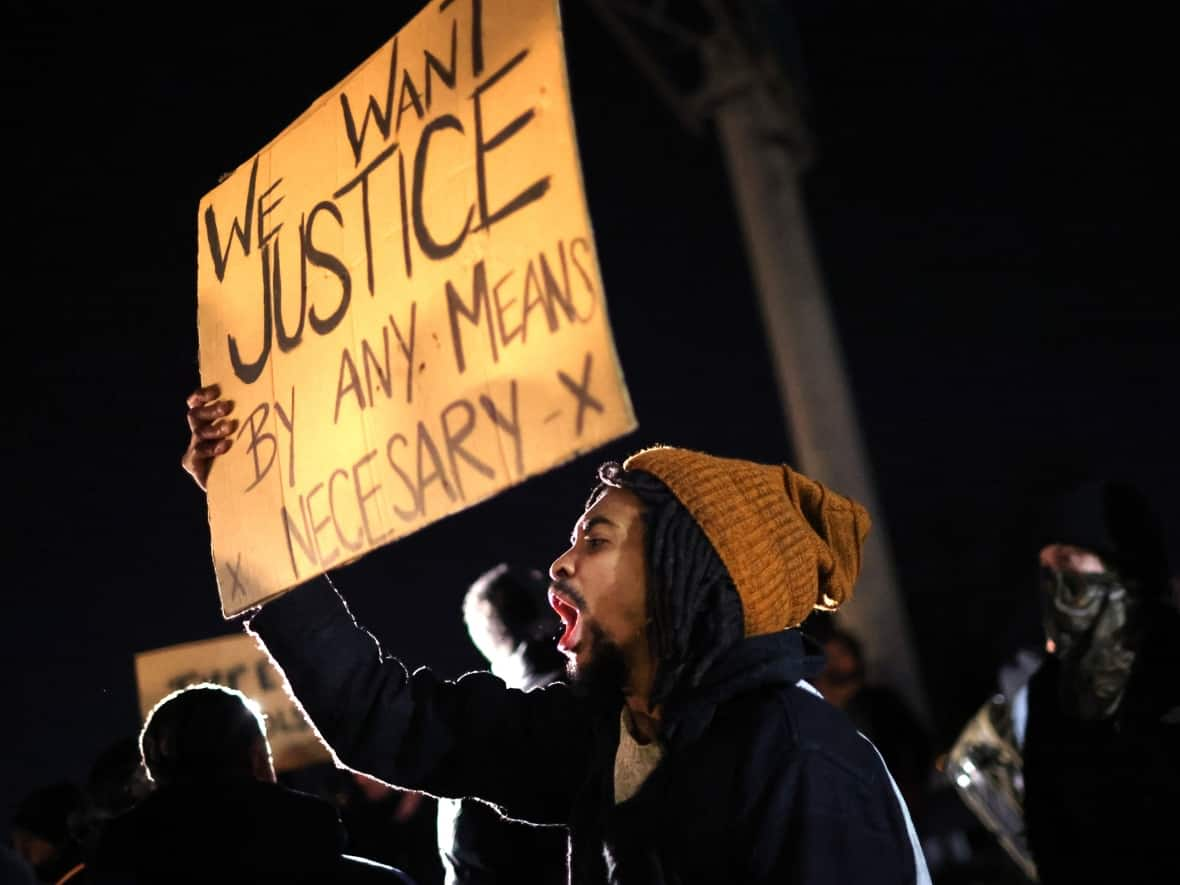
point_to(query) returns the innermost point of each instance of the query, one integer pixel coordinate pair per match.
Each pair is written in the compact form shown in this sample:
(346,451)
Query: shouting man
(688,748)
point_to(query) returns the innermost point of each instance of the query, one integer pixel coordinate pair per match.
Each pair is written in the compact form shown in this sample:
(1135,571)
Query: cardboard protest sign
(235,662)
(401,296)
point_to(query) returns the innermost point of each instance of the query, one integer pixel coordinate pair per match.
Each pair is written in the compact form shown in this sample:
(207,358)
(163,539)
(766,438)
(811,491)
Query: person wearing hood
(689,747)
(1102,744)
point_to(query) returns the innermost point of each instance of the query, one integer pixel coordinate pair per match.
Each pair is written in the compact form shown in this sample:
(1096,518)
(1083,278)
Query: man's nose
(562,567)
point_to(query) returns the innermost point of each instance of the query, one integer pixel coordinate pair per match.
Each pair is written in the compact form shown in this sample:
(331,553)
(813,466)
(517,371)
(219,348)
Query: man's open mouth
(570,620)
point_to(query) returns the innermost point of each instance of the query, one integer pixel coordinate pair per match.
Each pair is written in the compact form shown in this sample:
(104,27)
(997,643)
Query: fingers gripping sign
(210,431)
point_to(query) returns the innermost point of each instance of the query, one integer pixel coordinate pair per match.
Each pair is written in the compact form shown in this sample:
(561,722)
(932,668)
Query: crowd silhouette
(1071,760)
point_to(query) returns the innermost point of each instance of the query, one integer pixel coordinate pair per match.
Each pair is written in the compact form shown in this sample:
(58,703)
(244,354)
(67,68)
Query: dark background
(989,212)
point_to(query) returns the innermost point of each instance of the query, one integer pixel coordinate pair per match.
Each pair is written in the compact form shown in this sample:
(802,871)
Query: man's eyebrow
(591,523)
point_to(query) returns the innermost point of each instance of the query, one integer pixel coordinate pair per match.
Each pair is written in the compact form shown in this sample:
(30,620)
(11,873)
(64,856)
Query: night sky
(988,207)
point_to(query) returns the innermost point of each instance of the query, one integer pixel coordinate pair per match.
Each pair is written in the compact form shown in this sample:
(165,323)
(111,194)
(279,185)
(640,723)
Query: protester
(116,783)
(41,834)
(216,813)
(1101,761)
(513,629)
(509,620)
(56,829)
(690,748)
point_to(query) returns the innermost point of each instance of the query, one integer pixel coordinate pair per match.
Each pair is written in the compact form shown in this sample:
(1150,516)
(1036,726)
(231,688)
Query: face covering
(1093,621)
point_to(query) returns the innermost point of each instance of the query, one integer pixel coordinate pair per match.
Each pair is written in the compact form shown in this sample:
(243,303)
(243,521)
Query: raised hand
(210,431)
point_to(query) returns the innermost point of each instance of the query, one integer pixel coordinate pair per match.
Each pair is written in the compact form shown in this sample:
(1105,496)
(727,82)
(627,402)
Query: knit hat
(790,544)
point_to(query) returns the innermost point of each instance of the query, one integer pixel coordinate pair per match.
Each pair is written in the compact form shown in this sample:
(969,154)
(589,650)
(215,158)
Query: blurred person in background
(216,812)
(881,715)
(511,624)
(117,782)
(1102,744)
(41,834)
(1073,763)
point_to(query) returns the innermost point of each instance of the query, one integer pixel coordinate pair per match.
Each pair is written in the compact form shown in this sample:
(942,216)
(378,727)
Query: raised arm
(470,737)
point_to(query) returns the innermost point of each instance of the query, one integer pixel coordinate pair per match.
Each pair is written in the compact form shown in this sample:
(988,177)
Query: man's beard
(601,678)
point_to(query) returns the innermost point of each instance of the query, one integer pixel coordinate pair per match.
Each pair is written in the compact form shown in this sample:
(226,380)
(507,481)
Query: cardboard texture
(235,662)
(401,295)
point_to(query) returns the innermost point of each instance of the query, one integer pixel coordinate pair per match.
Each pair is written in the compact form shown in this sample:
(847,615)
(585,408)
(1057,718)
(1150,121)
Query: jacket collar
(781,658)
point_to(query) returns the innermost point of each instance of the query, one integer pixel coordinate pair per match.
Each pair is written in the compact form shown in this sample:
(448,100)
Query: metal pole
(747,95)
(761,133)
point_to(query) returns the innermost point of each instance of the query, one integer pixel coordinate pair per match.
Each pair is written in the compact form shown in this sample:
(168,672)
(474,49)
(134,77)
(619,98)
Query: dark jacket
(475,844)
(237,830)
(1101,797)
(762,780)
(479,847)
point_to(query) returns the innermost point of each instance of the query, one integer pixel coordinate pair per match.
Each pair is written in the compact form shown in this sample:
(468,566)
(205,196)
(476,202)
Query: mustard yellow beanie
(790,544)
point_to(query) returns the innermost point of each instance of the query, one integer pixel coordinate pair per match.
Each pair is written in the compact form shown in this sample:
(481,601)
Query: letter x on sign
(238,588)
(581,391)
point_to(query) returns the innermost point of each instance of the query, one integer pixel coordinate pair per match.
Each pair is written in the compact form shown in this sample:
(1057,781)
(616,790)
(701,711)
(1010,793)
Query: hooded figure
(1102,751)
(688,747)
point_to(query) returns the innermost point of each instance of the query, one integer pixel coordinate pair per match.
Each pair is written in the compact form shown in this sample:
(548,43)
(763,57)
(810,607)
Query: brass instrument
(986,767)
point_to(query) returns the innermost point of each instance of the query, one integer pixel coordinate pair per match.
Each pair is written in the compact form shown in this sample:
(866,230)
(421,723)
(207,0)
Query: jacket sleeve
(470,737)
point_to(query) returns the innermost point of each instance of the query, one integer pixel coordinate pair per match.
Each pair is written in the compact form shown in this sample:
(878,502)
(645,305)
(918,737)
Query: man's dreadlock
(695,611)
